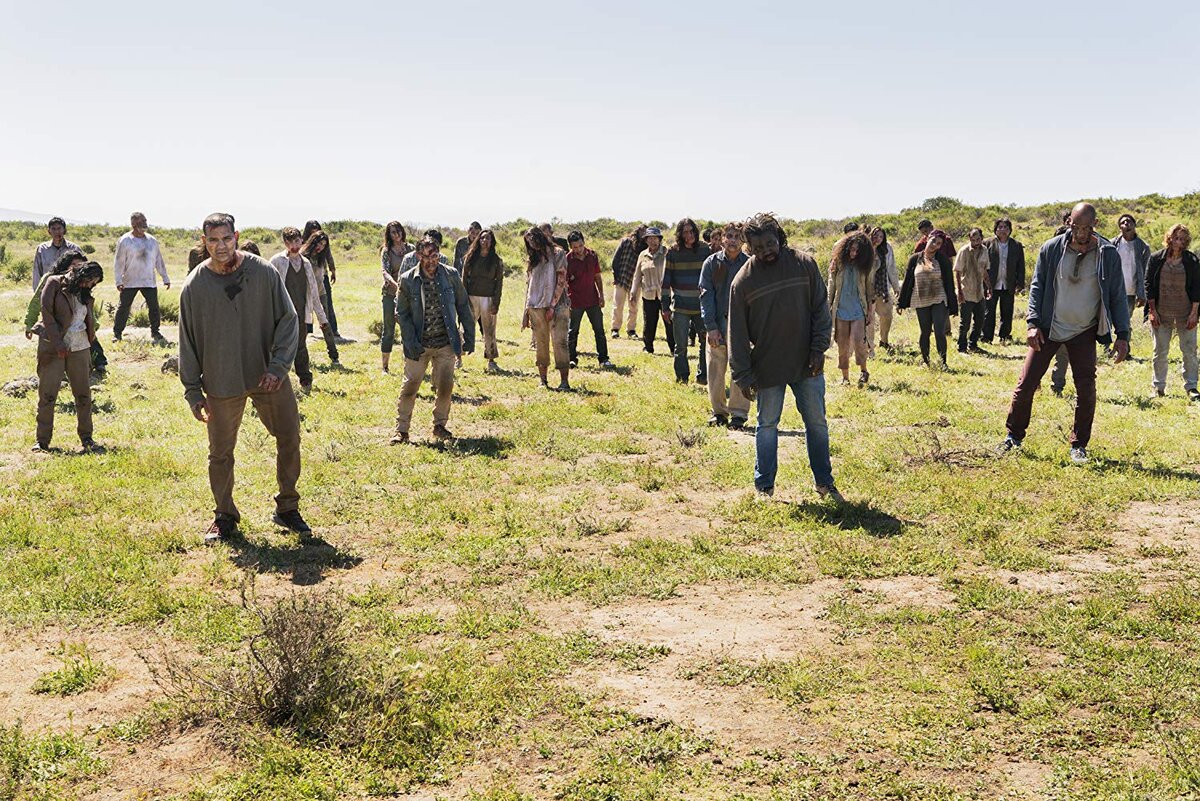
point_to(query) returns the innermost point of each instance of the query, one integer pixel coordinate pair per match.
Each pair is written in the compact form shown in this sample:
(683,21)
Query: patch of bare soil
(166,764)
(24,656)
(1151,526)
(898,592)
(1023,779)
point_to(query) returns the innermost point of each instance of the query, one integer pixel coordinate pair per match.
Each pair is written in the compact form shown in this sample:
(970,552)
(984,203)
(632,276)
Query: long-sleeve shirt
(137,259)
(681,278)
(44,257)
(716,277)
(624,262)
(778,318)
(648,274)
(233,328)
(282,264)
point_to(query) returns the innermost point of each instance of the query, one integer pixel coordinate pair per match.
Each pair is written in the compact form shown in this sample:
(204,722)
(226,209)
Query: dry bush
(930,449)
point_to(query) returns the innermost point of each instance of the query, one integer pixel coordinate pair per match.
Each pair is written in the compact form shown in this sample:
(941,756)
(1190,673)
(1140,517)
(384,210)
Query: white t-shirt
(1128,264)
(75,337)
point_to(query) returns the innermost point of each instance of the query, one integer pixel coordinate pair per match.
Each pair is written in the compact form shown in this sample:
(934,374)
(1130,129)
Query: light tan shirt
(648,274)
(971,267)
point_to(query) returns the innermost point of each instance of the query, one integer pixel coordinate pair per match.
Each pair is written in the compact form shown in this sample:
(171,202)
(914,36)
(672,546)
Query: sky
(456,110)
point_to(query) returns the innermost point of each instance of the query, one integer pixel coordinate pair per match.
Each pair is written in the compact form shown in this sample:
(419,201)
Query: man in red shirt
(586,290)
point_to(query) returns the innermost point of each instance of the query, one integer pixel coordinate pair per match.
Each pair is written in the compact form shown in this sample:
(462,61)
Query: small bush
(89,249)
(79,673)
(3,254)
(18,270)
(168,309)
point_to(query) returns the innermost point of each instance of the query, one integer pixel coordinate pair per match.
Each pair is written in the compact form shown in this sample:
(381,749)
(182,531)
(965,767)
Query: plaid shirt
(624,261)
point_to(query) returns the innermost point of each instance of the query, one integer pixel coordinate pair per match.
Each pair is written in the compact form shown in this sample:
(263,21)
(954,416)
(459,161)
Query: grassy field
(580,599)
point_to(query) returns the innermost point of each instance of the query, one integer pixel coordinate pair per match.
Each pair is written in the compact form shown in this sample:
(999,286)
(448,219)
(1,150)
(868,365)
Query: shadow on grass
(306,561)
(489,446)
(470,400)
(849,516)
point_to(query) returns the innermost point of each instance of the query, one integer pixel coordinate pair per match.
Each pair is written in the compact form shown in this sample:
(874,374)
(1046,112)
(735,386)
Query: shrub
(89,249)
(18,270)
(168,308)
(79,672)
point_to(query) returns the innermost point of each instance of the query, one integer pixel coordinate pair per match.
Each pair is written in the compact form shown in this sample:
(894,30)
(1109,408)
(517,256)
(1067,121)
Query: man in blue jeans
(779,329)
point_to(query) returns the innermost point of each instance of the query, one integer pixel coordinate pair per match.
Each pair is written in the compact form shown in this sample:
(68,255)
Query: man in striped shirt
(681,295)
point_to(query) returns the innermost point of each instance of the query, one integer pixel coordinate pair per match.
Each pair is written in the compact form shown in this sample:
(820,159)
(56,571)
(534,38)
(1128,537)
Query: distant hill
(31,216)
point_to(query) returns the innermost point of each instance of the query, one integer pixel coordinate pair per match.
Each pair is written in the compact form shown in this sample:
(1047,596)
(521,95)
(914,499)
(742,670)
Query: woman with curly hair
(65,339)
(395,248)
(1172,304)
(851,292)
(547,305)
(929,288)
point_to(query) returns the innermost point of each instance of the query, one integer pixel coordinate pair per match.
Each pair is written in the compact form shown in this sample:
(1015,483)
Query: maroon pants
(1081,353)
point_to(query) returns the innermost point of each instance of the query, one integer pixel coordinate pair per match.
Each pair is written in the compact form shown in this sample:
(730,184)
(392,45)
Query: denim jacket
(410,310)
(714,290)
(1114,306)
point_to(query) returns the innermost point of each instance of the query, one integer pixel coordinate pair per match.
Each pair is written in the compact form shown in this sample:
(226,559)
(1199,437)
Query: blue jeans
(681,326)
(810,402)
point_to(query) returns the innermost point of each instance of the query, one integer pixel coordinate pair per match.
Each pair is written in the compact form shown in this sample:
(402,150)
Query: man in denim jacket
(430,303)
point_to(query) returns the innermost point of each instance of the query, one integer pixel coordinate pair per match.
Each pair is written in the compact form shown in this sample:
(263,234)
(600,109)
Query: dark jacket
(1191,272)
(410,310)
(1141,258)
(716,278)
(1014,277)
(906,288)
(484,278)
(1114,305)
(57,316)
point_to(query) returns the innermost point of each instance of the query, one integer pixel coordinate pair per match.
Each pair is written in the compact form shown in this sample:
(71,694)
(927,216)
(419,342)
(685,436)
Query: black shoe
(962,348)
(1058,391)
(615,334)
(574,363)
(648,350)
(631,334)
(90,446)
(223,528)
(702,380)
(292,521)
(41,447)
(718,420)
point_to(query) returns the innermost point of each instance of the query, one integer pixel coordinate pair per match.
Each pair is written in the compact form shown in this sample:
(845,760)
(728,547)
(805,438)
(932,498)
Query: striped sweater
(681,278)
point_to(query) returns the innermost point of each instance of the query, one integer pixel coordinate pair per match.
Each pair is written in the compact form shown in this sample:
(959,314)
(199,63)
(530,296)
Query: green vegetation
(580,598)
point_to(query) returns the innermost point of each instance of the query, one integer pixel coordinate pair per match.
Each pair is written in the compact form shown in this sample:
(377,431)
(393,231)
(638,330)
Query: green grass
(464,570)
(79,673)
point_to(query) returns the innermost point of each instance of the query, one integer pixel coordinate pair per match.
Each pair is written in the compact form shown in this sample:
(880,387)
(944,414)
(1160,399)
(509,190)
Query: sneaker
(1010,443)
(1079,455)
(616,334)
(606,365)
(830,491)
(41,447)
(341,340)
(763,495)
(492,367)
(648,350)
(90,446)
(564,386)
(292,521)
(737,423)
(574,363)
(631,334)
(442,433)
(718,420)
(1193,394)
(864,378)
(399,438)
(845,382)
(222,528)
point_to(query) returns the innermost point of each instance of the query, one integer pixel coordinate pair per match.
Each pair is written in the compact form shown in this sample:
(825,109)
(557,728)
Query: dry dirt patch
(1171,524)
(170,763)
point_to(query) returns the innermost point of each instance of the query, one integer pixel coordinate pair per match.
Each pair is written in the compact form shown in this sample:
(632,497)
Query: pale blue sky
(450,111)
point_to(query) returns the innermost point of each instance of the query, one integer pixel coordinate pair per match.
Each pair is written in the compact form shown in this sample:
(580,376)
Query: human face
(1003,232)
(1178,242)
(732,244)
(577,248)
(877,237)
(293,245)
(1128,227)
(1083,225)
(932,247)
(976,239)
(652,243)
(853,254)
(138,226)
(429,259)
(57,233)
(221,242)
(486,243)
(320,246)
(764,246)
(395,238)
(473,233)
(690,235)
(89,283)
(925,229)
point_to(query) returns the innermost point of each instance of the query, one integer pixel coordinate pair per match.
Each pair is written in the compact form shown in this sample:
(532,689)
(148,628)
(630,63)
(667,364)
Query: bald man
(1077,298)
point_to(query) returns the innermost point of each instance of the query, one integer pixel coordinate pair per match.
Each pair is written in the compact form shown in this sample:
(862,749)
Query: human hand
(714,339)
(749,390)
(28,334)
(549,314)
(1191,321)
(120,287)
(166,284)
(1035,339)
(270,382)
(201,411)
(1121,349)
(63,353)
(1154,321)
(332,277)
(816,363)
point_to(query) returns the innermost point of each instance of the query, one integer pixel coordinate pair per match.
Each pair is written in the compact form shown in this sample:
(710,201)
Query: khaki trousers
(485,315)
(625,299)
(51,368)
(281,418)
(738,404)
(551,334)
(443,386)
(884,311)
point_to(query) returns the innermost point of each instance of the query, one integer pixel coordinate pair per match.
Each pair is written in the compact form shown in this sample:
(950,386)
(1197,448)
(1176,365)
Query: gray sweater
(233,328)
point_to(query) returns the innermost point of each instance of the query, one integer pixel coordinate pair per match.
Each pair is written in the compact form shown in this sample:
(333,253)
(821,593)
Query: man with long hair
(547,305)
(779,329)
(483,276)
(137,259)
(1076,299)
(625,300)
(238,335)
(681,295)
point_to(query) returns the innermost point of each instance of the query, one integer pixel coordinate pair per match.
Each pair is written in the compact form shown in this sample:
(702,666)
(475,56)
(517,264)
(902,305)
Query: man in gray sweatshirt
(238,336)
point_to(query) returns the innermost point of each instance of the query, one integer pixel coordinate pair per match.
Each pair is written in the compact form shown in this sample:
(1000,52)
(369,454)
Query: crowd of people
(761,314)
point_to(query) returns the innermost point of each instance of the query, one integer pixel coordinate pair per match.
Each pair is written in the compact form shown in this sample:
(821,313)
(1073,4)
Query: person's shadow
(850,516)
(306,561)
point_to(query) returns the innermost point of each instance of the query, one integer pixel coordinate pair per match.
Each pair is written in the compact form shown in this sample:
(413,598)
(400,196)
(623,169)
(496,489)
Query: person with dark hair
(716,277)
(681,296)
(887,288)
(436,329)
(849,228)
(1076,299)
(250,246)
(1172,294)
(483,276)
(238,335)
(647,285)
(851,293)
(316,250)
(624,262)
(197,254)
(1006,275)
(64,342)
(1135,255)
(974,290)
(48,253)
(548,230)
(929,288)
(325,269)
(464,242)
(137,258)
(926,229)
(33,312)
(391,255)
(301,285)
(547,305)
(779,330)
(585,287)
